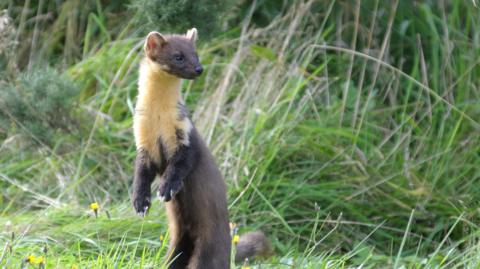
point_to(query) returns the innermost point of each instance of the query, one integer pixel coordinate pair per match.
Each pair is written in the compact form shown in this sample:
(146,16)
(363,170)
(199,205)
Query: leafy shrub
(178,16)
(37,104)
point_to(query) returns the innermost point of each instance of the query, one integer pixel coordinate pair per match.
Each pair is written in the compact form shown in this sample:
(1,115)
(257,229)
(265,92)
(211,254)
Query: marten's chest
(157,127)
(154,129)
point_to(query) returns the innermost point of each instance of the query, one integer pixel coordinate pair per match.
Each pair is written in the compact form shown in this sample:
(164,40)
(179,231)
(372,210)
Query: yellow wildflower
(235,239)
(39,260)
(161,237)
(245,267)
(94,206)
(74,266)
(30,259)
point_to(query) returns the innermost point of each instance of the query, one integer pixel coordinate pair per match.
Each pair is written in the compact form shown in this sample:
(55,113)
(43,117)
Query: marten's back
(201,206)
(252,244)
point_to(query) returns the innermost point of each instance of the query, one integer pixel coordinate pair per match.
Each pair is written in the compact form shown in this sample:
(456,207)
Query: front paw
(169,189)
(141,203)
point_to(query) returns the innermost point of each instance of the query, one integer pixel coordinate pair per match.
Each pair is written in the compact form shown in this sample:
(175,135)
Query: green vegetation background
(348,131)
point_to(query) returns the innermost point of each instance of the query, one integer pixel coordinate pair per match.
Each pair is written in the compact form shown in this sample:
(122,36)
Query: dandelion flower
(74,266)
(94,207)
(39,260)
(30,259)
(245,267)
(161,237)
(235,239)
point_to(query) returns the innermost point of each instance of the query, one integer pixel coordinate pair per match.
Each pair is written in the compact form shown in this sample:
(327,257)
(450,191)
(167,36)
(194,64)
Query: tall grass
(347,131)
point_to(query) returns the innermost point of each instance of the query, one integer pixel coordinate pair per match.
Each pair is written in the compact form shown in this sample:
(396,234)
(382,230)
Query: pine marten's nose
(198,70)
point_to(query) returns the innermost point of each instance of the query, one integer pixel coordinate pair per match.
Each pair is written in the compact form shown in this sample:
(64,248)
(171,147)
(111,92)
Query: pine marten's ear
(154,41)
(192,35)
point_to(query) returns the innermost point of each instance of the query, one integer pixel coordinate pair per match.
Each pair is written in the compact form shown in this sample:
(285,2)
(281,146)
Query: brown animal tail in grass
(251,245)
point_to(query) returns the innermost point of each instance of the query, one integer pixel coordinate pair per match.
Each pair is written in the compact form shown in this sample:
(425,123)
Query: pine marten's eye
(178,58)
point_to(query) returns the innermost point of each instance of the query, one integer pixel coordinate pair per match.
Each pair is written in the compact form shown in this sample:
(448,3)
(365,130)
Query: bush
(38,104)
(179,16)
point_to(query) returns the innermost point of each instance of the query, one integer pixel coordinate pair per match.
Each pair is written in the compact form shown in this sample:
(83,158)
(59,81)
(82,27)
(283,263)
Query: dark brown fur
(191,183)
(200,215)
(251,245)
(192,186)
(176,54)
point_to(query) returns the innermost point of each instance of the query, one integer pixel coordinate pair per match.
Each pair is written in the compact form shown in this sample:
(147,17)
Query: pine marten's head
(174,54)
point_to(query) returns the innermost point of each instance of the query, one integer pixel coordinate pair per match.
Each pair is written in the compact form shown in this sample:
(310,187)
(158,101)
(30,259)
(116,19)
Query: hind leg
(181,243)
(209,255)
(180,253)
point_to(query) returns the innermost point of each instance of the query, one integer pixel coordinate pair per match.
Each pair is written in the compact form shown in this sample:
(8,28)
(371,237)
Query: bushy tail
(251,245)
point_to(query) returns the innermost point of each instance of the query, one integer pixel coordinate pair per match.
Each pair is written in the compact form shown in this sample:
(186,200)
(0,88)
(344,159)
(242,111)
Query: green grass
(347,131)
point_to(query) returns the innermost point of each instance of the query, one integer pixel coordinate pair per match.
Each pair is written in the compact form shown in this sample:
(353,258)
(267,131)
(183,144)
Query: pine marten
(168,145)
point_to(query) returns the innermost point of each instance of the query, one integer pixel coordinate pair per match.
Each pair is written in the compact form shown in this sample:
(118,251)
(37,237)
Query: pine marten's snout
(199,70)
(174,54)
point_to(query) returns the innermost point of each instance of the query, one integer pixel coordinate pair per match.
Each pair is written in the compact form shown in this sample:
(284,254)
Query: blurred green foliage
(174,16)
(38,104)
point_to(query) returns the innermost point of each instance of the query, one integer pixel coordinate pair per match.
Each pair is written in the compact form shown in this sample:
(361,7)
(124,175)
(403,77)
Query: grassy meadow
(348,131)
